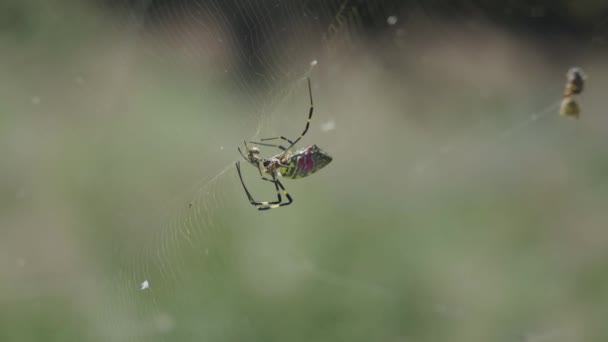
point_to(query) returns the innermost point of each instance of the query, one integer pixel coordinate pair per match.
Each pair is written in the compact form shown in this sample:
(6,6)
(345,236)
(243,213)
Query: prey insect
(287,164)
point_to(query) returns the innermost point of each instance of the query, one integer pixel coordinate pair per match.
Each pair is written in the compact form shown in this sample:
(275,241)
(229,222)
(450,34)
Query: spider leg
(278,184)
(265,204)
(274,138)
(309,117)
(238,170)
(241,152)
(292,143)
(271,145)
(260,171)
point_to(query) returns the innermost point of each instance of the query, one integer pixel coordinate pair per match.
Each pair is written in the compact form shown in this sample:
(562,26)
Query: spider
(576,80)
(297,164)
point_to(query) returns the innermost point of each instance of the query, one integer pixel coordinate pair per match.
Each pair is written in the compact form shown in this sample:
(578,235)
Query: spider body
(288,164)
(569,107)
(304,162)
(574,86)
(576,81)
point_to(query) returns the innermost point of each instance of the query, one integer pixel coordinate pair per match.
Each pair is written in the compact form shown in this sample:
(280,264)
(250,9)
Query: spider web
(195,241)
(275,47)
(200,269)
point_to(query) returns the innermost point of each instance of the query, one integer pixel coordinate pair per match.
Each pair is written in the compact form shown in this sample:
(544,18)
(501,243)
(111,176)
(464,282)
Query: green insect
(288,164)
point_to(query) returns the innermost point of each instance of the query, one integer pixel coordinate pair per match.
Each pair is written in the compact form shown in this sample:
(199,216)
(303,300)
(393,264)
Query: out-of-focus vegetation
(459,206)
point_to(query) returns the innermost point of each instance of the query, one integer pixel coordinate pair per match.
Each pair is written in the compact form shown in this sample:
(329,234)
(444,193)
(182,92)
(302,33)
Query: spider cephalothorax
(252,154)
(289,164)
(576,81)
(304,162)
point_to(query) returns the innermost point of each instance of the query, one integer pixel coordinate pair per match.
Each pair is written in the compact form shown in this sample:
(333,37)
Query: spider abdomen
(304,162)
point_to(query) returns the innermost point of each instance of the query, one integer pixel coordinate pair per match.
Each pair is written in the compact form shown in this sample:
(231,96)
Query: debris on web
(329,125)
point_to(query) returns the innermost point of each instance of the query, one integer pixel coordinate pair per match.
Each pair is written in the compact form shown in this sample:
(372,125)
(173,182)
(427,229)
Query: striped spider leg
(291,143)
(265,205)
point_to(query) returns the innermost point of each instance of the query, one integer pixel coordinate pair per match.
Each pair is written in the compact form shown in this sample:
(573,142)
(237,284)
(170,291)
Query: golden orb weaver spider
(574,86)
(576,81)
(294,165)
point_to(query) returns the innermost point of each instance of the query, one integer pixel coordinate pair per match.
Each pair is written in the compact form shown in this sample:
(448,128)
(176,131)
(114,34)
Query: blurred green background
(459,206)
